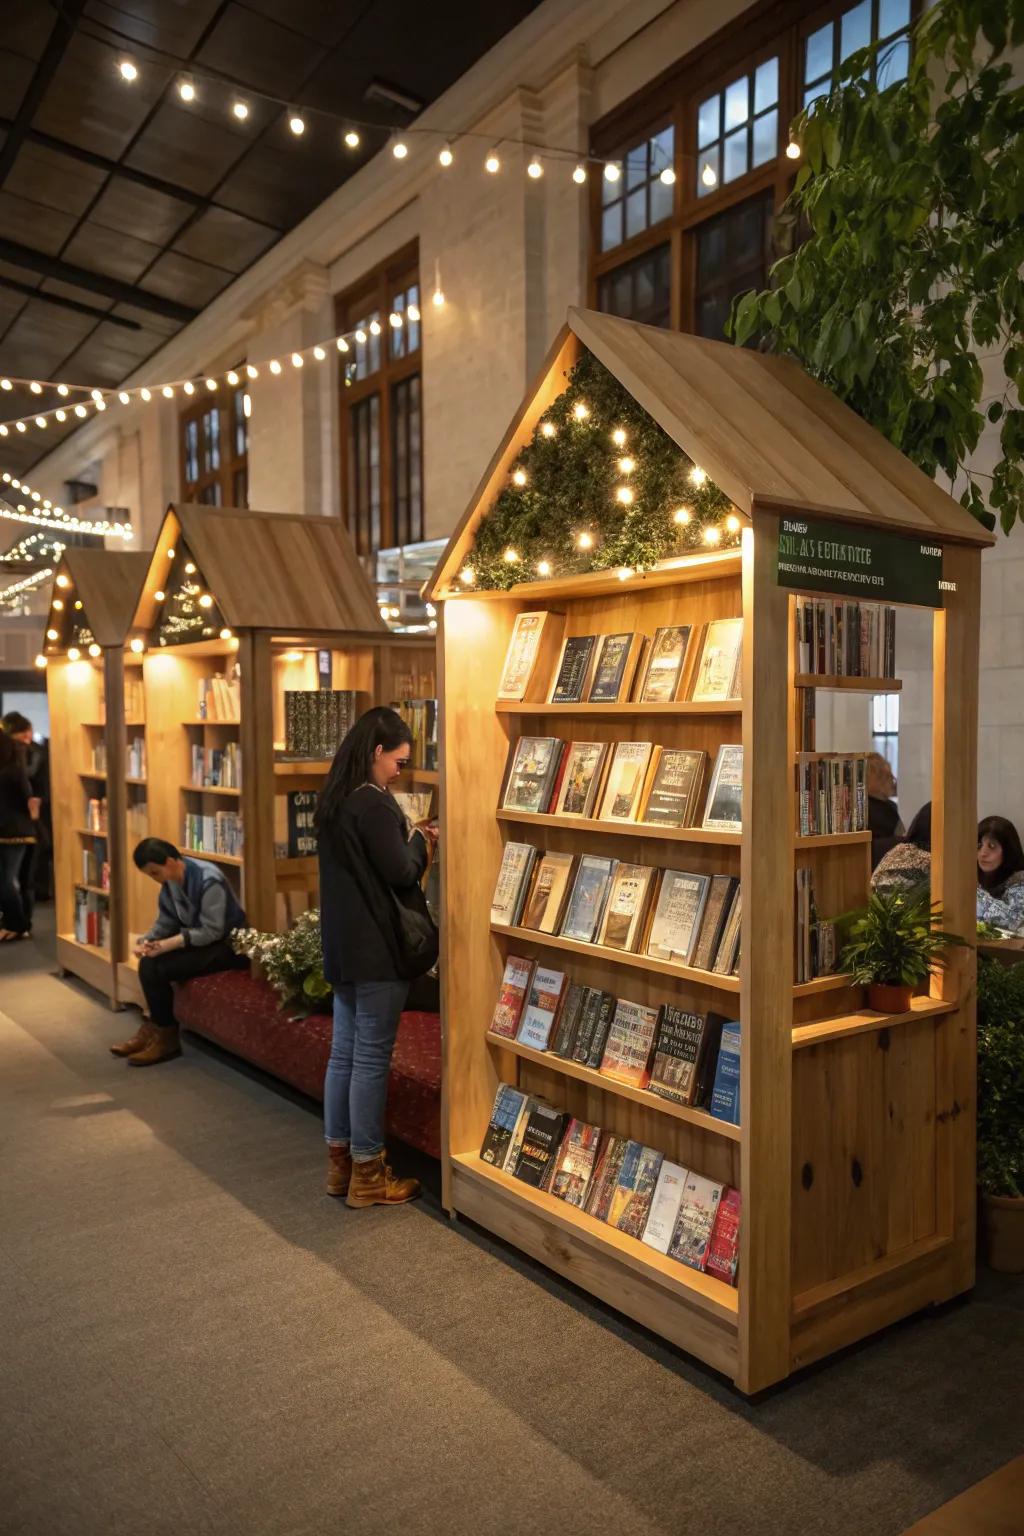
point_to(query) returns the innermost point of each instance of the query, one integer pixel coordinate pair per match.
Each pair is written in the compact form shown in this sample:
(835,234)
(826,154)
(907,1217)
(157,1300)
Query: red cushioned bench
(242,1015)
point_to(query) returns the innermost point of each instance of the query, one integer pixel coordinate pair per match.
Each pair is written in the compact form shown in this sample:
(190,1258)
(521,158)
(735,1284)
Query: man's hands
(150,947)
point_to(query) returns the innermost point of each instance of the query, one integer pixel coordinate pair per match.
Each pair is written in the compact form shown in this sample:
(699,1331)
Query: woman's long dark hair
(11,754)
(353,761)
(920,830)
(1006,835)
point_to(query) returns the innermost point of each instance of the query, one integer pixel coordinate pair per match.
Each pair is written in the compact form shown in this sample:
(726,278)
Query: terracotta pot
(1002,1218)
(888,997)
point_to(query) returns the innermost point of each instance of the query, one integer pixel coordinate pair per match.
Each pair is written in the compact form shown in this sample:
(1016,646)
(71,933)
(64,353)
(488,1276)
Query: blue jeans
(366,1015)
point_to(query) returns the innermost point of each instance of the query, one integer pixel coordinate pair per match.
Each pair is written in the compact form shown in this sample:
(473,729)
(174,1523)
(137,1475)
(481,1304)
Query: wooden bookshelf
(833,682)
(856,1176)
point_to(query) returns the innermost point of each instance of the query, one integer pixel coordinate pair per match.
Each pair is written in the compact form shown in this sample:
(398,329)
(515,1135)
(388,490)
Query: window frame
(231,463)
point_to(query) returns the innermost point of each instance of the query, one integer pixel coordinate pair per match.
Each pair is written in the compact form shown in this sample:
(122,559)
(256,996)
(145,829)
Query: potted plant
(893,944)
(1001,1114)
(292,962)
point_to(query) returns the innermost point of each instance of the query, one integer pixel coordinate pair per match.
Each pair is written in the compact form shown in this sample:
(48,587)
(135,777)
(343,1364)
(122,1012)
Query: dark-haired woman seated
(1000,875)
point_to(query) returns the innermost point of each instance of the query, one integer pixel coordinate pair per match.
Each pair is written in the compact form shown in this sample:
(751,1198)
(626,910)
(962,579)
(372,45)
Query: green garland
(572,476)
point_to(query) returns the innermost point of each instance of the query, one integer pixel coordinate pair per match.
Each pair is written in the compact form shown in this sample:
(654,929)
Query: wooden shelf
(136,781)
(619,711)
(86,773)
(866,1020)
(97,890)
(626,828)
(209,789)
(607,1084)
(88,832)
(833,681)
(621,957)
(195,721)
(832,840)
(215,858)
(673,572)
(703,1291)
(317,767)
(95,950)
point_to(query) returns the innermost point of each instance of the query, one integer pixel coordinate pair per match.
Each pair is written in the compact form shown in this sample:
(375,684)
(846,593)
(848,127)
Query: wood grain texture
(991,1508)
(108,583)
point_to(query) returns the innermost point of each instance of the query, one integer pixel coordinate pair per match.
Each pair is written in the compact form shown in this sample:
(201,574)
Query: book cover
(602,1026)
(716,911)
(515,1140)
(698,1208)
(708,1061)
(613,671)
(677,915)
(725,1095)
(717,675)
(679,1050)
(626,907)
(586,903)
(673,787)
(575,665)
(665,1203)
(589,1014)
(574,1166)
(663,673)
(533,763)
(724,1248)
(541,1137)
(557,777)
(602,1185)
(581,780)
(546,902)
(517,861)
(724,810)
(508,1104)
(634,1188)
(534,637)
(564,1037)
(624,784)
(627,1051)
(728,950)
(515,984)
(541,1009)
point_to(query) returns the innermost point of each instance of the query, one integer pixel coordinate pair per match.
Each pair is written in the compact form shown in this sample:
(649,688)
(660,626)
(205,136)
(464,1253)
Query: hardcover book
(708,1063)
(515,1140)
(724,810)
(677,915)
(663,673)
(698,1208)
(625,782)
(575,666)
(540,1143)
(508,1105)
(590,1015)
(574,1166)
(665,1202)
(531,653)
(546,902)
(716,911)
(602,1026)
(627,1052)
(673,787)
(728,956)
(581,781)
(725,1095)
(541,1010)
(617,657)
(717,675)
(634,1189)
(515,984)
(529,777)
(622,924)
(510,888)
(568,1020)
(586,904)
(724,1250)
(602,1185)
(679,1050)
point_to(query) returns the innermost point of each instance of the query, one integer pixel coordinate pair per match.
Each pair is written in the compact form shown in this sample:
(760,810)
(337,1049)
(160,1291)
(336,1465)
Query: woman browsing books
(376,939)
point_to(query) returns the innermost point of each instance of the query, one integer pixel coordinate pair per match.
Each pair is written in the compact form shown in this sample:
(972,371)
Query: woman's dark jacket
(364,854)
(15,821)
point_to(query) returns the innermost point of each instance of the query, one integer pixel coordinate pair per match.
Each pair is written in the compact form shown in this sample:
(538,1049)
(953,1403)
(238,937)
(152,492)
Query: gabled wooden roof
(762,428)
(108,581)
(268,570)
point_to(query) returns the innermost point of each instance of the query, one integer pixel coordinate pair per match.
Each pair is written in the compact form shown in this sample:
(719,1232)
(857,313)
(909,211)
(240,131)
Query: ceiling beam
(65,22)
(75,305)
(94,282)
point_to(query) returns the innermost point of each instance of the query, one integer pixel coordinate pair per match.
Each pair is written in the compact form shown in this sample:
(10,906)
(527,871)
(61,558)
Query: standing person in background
(883,812)
(18,812)
(19,727)
(909,862)
(1000,875)
(370,862)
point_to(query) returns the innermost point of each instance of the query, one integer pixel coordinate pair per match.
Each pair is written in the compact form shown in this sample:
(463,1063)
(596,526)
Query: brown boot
(373,1183)
(142,1037)
(163,1045)
(339,1170)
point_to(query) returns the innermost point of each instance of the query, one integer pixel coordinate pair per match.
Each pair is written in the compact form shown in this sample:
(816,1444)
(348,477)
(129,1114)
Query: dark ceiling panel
(8,269)
(184,280)
(108,355)
(257,51)
(44,229)
(48,177)
(136,210)
(27,26)
(277,185)
(15,75)
(157,323)
(41,338)
(226,239)
(63,290)
(174,28)
(110,251)
(200,151)
(10,304)
(89,104)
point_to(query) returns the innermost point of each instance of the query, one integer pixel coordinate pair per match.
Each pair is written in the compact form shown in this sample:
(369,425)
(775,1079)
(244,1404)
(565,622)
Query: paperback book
(517,862)
(581,779)
(674,784)
(590,1048)
(724,810)
(627,1051)
(698,1208)
(720,896)
(682,1042)
(541,1136)
(724,1248)
(586,903)
(677,915)
(541,1009)
(515,986)
(574,1165)
(606,1174)
(717,675)
(509,1104)
(626,908)
(575,669)
(533,763)
(624,785)
(634,1189)
(531,653)
(564,1037)
(725,1095)
(546,901)
(662,677)
(665,1203)
(617,656)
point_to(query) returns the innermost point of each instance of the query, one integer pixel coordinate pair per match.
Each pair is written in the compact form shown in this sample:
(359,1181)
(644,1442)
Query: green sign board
(857,561)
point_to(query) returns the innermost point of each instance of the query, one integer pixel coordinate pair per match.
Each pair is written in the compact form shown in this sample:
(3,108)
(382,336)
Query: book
(724,809)
(586,903)
(574,1164)
(597,1004)
(602,1026)
(725,1095)
(562,757)
(624,785)
(617,656)
(564,1037)
(515,986)
(665,1202)
(716,912)
(626,907)
(634,1189)
(724,1248)
(574,670)
(515,1140)
(546,902)
(708,1062)
(817,938)
(508,1105)
(581,779)
(541,1137)
(541,1010)
(831,793)
(673,787)
(698,1208)
(677,915)
(602,1185)
(627,1051)
(662,675)
(727,956)
(717,674)
(531,653)
(530,773)
(679,1049)
(517,861)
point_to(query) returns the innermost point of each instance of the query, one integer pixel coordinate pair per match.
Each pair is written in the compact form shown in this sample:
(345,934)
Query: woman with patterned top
(909,864)
(1000,875)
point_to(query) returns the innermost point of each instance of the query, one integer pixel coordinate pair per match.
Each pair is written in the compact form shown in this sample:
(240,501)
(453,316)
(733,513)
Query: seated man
(196,914)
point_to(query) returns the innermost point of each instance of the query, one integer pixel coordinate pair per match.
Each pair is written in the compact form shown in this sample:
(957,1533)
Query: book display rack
(853,1151)
(97,728)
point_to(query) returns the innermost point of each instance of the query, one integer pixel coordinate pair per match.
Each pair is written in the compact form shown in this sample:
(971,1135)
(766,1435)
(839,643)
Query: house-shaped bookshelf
(262,641)
(854,1147)
(96,725)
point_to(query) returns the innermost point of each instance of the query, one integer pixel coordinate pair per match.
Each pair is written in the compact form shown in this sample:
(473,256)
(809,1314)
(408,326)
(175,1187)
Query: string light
(712,534)
(40,660)
(127,70)
(275,366)
(232,378)
(352,139)
(190,569)
(619,437)
(57,605)
(94,650)
(63,581)
(581,411)
(467,576)
(395,320)
(211,383)
(73,653)
(6,384)
(51,634)
(612,171)
(446,156)
(26,584)
(624,573)
(297,125)
(297,359)
(732,523)
(792,150)
(627,465)
(667,177)
(124,397)
(708,176)
(145,394)
(240,109)
(399,149)
(159,595)
(37,389)
(413,311)
(186,88)
(205,600)
(225,634)
(519,477)
(252,372)
(682,516)
(579,175)
(548,429)
(318,353)
(697,476)
(624,495)
(492,164)
(511,557)
(137,646)
(543,567)
(374,327)
(585,541)
(168,392)
(535,170)
(188,387)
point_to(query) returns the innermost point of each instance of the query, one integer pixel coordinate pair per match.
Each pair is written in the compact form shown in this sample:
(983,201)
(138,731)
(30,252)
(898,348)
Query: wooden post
(117,795)
(255,735)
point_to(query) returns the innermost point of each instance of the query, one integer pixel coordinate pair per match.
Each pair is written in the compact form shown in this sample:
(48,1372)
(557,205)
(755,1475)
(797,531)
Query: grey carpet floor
(194,1340)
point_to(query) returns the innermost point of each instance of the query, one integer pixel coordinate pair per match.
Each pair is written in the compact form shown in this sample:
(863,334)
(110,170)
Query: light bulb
(37,389)
(431,610)
(79,412)
(127,70)
(73,653)
(792,150)
(211,383)
(297,126)
(535,170)
(240,109)
(413,312)
(579,175)
(40,660)
(186,89)
(732,523)
(3,429)
(41,420)
(624,495)
(511,557)
(612,171)
(395,320)
(22,427)
(319,354)
(62,389)
(399,149)
(374,327)
(145,394)
(171,554)
(492,164)
(543,567)
(437,299)
(168,392)
(58,605)
(712,534)
(619,437)
(708,176)
(6,384)
(519,477)
(667,177)
(159,594)
(384,610)
(624,573)
(297,360)
(63,581)
(581,411)
(137,646)
(446,156)
(94,649)
(547,429)
(189,387)
(585,541)
(682,515)
(361,337)
(124,397)
(232,378)
(697,476)
(225,634)
(275,366)
(352,139)
(341,344)
(251,371)
(247,405)
(205,600)
(51,634)
(190,569)
(467,576)
(627,465)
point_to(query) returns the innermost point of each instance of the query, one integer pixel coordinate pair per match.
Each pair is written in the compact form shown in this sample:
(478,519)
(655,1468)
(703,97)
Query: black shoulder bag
(408,927)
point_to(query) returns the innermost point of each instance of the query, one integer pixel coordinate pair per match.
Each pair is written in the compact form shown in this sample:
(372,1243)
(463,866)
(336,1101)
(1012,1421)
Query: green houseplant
(893,944)
(292,962)
(1001,1113)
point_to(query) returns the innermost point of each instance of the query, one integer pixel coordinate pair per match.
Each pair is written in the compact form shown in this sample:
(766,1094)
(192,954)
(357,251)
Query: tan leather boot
(373,1183)
(164,1045)
(142,1037)
(339,1170)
